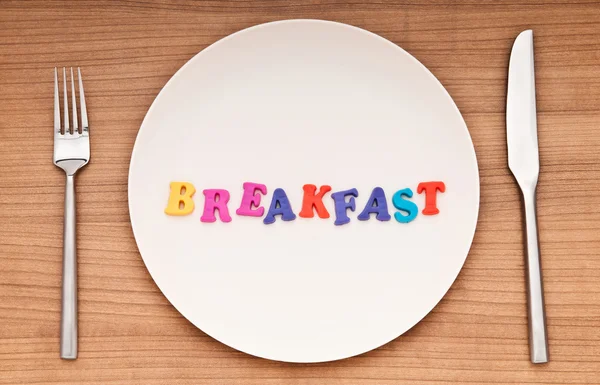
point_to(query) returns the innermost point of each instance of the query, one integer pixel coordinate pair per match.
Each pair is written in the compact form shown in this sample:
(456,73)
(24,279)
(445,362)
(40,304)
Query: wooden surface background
(130,334)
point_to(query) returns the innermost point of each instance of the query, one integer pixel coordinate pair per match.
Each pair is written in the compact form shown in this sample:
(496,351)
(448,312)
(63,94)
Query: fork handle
(68,321)
(538,339)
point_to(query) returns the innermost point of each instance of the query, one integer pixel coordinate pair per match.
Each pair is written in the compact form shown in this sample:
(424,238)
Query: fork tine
(74,104)
(56,104)
(66,103)
(84,119)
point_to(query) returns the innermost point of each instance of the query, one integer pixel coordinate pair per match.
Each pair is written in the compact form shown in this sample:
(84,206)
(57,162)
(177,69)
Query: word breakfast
(181,203)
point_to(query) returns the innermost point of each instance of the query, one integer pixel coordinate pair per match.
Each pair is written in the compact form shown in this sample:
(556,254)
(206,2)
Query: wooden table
(130,334)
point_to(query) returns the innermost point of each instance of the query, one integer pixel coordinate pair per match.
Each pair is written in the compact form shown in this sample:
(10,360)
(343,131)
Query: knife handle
(538,339)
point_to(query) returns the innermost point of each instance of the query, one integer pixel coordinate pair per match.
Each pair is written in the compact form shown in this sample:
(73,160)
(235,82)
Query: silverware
(71,152)
(523,161)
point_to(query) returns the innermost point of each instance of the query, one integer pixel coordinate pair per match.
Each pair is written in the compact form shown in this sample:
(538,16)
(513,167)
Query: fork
(71,152)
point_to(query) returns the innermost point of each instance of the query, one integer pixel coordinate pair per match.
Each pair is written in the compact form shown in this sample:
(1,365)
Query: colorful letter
(250,199)
(377,204)
(216,199)
(431,189)
(405,205)
(180,199)
(339,198)
(280,205)
(311,200)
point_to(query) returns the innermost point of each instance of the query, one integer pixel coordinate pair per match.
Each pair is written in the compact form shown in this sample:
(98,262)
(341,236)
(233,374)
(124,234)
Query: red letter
(215,200)
(311,200)
(431,189)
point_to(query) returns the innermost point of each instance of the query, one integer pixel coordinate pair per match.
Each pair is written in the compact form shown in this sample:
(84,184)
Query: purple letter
(339,198)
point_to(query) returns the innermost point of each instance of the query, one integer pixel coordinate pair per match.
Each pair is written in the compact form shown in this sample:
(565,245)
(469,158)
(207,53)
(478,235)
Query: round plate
(286,104)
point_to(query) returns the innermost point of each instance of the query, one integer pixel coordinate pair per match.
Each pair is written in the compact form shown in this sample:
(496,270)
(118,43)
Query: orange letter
(431,189)
(180,199)
(311,200)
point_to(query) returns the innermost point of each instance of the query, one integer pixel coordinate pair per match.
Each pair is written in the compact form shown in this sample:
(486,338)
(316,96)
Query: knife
(523,161)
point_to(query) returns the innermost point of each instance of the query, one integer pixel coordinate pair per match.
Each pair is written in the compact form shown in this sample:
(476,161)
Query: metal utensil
(523,161)
(71,152)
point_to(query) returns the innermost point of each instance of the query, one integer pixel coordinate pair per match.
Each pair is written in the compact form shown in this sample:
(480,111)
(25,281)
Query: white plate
(292,103)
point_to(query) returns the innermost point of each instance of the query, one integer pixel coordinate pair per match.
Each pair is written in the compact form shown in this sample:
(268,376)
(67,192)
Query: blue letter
(341,205)
(280,205)
(405,205)
(377,204)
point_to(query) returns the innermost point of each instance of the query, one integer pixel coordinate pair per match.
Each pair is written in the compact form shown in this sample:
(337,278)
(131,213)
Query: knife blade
(523,161)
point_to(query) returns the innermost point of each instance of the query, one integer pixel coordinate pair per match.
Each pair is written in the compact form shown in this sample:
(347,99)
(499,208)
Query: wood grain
(129,333)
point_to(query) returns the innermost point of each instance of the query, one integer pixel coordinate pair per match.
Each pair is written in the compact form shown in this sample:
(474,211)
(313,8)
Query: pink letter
(250,199)
(215,200)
